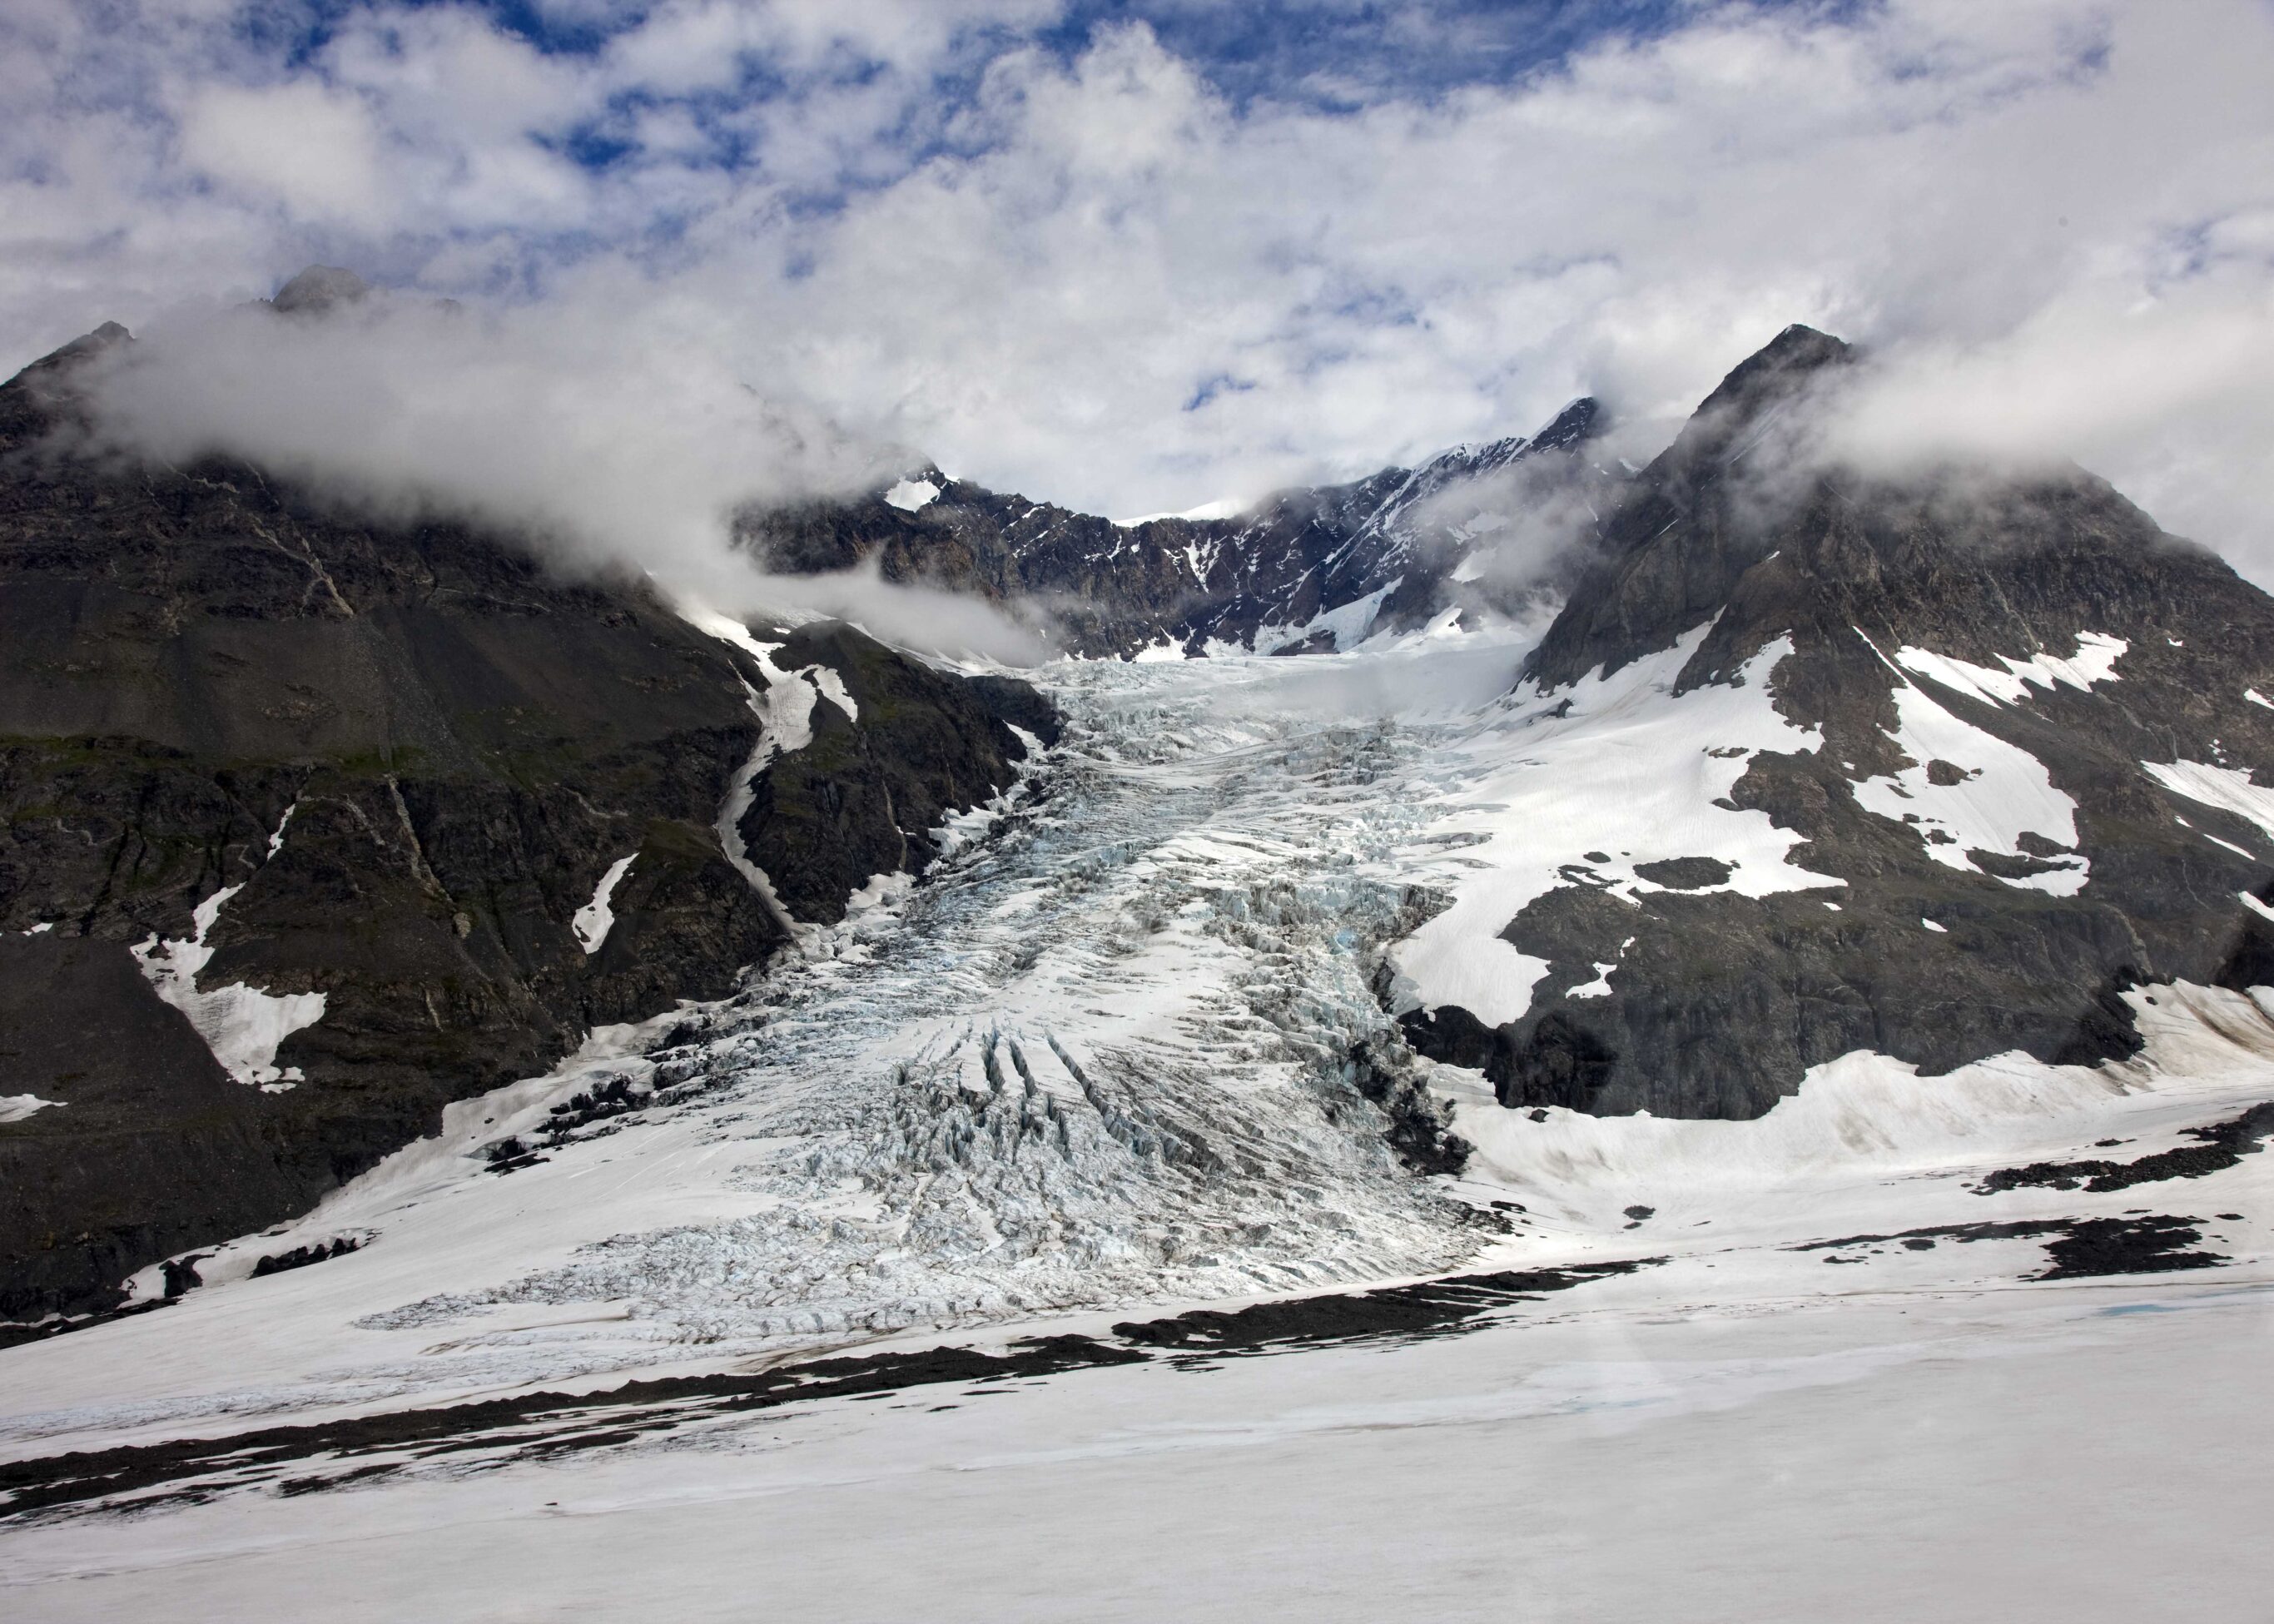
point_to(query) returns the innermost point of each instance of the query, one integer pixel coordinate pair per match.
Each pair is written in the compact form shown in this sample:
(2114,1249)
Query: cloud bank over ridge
(1122,263)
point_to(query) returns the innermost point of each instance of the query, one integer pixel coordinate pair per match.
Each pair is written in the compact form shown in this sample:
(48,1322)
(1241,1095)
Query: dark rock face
(150,1147)
(863,797)
(1722,1001)
(462,742)
(1396,538)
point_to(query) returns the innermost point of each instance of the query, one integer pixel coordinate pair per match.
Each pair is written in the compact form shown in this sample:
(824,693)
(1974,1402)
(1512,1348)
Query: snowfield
(1097,1068)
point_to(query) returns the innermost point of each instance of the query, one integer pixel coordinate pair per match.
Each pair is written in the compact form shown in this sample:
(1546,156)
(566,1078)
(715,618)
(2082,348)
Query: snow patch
(2227,788)
(726,628)
(1348,625)
(832,688)
(2005,793)
(741,791)
(241,1025)
(16,1106)
(1612,765)
(1600,987)
(912,494)
(1863,1112)
(2094,661)
(593,921)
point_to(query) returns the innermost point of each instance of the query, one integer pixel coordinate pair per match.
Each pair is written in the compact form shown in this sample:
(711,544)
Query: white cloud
(311,148)
(2052,218)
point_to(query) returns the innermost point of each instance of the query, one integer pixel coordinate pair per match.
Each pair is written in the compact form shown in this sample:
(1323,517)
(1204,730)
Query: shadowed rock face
(1722,1001)
(863,797)
(1397,537)
(463,744)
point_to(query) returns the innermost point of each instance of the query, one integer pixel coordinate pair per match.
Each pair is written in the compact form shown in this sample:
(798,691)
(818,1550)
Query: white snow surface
(1701,1453)
(2230,789)
(1936,1399)
(2005,793)
(593,921)
(909,495)
(17,1107)
(241,1025)
(2094,661)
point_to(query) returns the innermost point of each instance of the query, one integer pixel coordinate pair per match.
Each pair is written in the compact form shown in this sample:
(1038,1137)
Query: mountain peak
(1579,421)
(1773,370)
(85,347)
(320,290)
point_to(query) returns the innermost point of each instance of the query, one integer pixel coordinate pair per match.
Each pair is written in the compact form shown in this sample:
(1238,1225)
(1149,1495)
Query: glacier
(1103,1058)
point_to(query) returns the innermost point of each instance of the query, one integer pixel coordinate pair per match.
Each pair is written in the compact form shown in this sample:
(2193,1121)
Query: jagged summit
(85,348)
(1748,485)
(1582,420)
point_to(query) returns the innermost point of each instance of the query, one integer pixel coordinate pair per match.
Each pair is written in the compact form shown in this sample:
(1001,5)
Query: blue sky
(1332,57)
(1137,257)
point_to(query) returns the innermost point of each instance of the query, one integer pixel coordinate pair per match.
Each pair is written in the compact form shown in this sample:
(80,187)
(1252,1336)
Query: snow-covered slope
(1984,731)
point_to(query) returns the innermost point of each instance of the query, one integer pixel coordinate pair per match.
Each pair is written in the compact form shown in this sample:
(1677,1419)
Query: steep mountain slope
(1305,570)
(2003,770)
(314,824)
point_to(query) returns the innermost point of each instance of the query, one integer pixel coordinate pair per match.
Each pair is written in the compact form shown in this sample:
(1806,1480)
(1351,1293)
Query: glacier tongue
(1102,1056)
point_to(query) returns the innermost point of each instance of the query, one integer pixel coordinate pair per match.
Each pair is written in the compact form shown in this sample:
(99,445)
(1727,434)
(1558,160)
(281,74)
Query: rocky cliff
(310,824)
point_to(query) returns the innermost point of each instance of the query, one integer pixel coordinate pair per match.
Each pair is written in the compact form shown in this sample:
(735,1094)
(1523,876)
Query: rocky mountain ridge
(1304,570)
